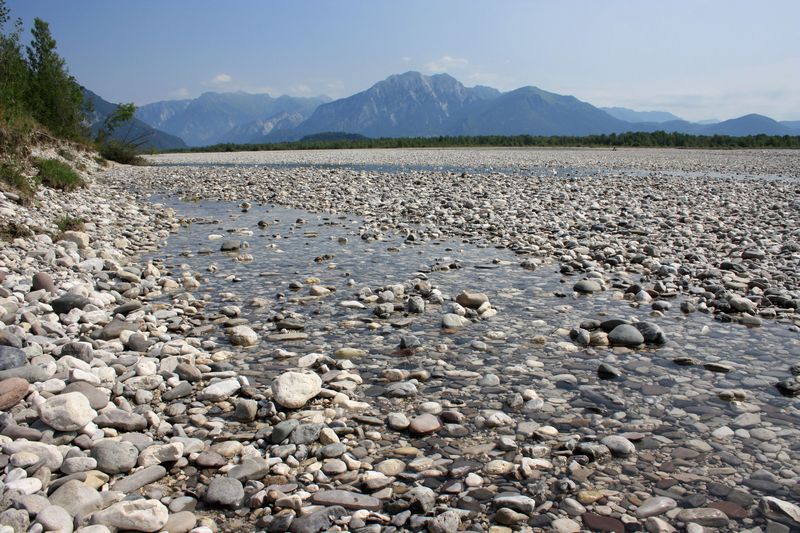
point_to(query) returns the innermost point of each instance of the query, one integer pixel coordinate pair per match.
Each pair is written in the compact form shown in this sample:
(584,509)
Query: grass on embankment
(58,175)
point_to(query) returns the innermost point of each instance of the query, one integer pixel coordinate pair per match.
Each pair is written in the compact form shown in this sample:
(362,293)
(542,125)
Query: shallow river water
(523,341)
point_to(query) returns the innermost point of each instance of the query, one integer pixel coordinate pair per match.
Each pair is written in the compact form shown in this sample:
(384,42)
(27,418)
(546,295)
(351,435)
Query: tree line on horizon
(656,139)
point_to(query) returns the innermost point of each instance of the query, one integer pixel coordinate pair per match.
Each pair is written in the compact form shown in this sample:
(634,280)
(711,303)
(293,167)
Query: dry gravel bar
(485,340)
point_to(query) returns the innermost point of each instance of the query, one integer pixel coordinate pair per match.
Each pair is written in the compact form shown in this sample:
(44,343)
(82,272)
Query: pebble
(115,457)
(225,492)
(425,424)
(12,391)
(67,412)
(136,515)
(293,389)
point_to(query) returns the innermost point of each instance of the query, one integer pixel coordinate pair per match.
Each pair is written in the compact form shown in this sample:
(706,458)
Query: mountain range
(416,105)
(227,117)
(134,130)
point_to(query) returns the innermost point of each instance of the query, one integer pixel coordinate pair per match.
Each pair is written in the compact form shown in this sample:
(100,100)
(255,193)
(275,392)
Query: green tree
(13,70)
(122,114)
(54,97)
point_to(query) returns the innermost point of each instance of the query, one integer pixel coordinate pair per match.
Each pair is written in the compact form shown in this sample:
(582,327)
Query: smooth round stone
(390,467)
(137,515)
(349,353)
(67,412)
(473,480)
(452,321)
(433,408)
(704,516)
(587,286)
(97,398)
(182,503)
(489,380)
(293,389)
(11,357)
(181,522)
(565,525)
(42,281)
(471,300)
(221,390)
(230,245)
(24,459)
(115,457)
(12,391)
(398,421)
(655,506)
(225,492)
(54,518)
(762,434)
(509,517)
(73,465)
(498,467)
(243,336)
(651,333)
(596,522)
(606,371)
(334,467)
(337,449)
(572,507)
(68,302)
(619,446)
(425,424)
(625,335)
(26,485)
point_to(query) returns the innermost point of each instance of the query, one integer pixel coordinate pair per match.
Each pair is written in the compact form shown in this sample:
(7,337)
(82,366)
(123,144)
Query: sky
(699,59)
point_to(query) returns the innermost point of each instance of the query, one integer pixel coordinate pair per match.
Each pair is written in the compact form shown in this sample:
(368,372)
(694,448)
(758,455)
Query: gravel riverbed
(407,340)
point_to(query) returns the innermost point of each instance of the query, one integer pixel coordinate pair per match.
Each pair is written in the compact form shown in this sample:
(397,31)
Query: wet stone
(425,424)
(596,522)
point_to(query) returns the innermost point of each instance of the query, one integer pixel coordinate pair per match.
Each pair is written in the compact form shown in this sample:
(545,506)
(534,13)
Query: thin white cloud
(182,92)
(446,63)
(263,89)
(405,59)
(300,89)
(221,79)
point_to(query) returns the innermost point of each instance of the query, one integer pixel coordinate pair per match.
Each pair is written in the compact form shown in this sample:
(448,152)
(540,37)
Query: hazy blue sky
(698,59)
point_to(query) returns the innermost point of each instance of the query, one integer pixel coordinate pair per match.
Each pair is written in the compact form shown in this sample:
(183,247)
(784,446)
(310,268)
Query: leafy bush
(69,223)
(121,152)
(11,176)
(58,175)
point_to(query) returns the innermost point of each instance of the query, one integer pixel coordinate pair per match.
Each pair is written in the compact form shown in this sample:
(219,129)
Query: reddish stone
(595,522)
(425,424)
(42,280)
(732,510)
(12,390)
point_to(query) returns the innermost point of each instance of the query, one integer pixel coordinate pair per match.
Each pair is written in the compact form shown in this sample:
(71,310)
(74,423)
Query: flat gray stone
(115,457)
(225,492)
(346,499)
(139,479)
(655,506)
